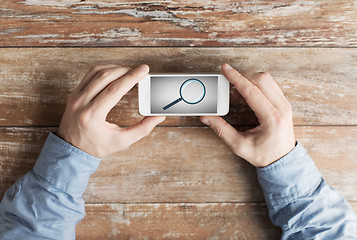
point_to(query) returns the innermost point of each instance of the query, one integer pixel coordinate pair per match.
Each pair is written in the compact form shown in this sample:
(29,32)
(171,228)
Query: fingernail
(227,66)
(205,121)
(162,119)
(144,68)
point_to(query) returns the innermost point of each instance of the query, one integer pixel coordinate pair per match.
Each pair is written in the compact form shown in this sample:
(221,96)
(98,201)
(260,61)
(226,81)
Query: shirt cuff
(293,176)
(65,166)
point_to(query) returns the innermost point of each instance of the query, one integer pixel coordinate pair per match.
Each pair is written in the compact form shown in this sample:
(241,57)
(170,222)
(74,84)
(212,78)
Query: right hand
(274,137)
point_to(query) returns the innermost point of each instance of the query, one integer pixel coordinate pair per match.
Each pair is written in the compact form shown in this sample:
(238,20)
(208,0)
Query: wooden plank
(177,221)
(320,83)
(187,164)
(178,23)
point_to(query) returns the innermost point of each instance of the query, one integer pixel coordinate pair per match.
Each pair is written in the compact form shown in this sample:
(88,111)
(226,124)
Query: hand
(274,137)
(84,122)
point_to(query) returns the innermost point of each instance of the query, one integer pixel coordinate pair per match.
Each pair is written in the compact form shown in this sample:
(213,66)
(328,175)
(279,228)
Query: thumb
(139,130)
(225,131)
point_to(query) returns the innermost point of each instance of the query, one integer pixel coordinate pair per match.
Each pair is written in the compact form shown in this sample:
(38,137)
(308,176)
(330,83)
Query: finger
(90,74)
(137,131)
(102,79)
(112,94)
(269,88)
(251,93)
(225,131)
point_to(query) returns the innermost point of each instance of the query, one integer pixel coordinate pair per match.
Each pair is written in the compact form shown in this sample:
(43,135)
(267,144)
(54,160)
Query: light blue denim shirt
(47,202)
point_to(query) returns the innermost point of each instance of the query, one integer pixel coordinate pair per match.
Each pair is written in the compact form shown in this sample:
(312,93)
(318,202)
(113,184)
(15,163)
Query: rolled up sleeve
(300,201)
(47,202)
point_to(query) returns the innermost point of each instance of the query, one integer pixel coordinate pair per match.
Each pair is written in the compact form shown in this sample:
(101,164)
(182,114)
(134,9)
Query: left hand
(84,122)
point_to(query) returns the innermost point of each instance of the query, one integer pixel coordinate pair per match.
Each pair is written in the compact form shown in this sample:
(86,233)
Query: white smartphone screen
(183,95)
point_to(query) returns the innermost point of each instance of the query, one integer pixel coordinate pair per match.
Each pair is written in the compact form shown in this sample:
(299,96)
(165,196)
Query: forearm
(47,202)
(300,201)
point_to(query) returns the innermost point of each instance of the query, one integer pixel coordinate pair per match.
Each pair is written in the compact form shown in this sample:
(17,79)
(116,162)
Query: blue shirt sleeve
(47,202)
(300,201)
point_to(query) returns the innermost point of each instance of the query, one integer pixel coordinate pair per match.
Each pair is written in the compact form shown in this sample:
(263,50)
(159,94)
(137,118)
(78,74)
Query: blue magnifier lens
(192,91)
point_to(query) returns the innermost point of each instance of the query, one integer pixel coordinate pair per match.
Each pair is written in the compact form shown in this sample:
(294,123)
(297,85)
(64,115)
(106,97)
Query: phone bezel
(222,97)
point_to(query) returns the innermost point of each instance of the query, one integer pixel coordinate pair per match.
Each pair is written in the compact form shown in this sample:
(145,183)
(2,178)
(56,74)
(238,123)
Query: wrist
(286,154)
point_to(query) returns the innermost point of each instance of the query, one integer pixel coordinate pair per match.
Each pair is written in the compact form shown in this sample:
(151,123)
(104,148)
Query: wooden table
(181,182)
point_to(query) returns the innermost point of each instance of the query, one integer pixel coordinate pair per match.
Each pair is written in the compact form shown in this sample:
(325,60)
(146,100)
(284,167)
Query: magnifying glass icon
(192,91)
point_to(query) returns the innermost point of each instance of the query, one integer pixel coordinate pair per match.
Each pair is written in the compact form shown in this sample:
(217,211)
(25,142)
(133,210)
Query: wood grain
(180,182)
(188,164)
(320,83)
(177,221)
(178,23)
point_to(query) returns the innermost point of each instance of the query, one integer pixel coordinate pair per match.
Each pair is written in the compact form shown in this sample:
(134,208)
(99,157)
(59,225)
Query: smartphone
(183,95)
